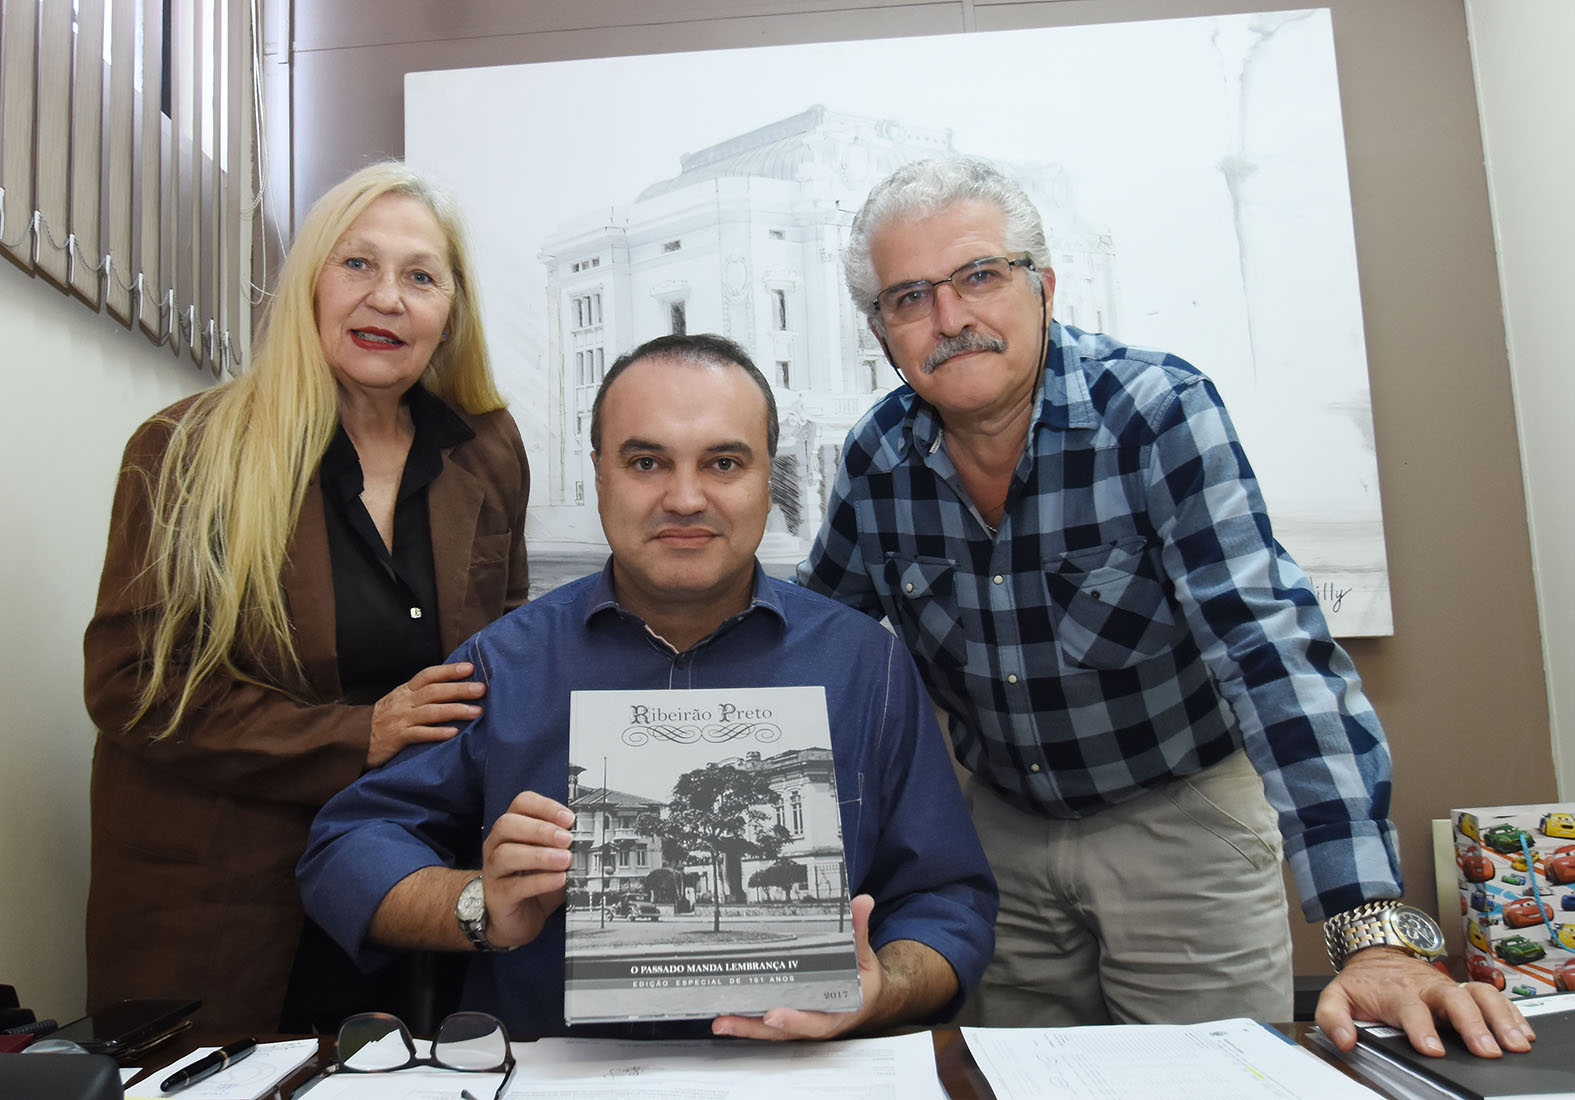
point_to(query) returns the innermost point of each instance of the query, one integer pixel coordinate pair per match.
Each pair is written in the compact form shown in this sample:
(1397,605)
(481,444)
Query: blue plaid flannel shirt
(1134,620)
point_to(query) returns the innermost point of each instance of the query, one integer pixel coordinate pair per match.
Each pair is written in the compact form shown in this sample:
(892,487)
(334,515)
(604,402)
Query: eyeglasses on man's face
(973,281)
(469,1042)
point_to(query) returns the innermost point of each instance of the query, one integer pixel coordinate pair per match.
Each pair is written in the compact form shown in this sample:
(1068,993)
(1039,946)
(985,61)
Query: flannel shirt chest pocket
(1108,604)
(924,596)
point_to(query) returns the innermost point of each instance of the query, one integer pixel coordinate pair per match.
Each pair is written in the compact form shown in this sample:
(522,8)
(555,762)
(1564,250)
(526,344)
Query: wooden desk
(960,1075)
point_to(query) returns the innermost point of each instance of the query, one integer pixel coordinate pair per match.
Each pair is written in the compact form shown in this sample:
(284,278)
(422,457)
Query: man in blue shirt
(683,430)
(1067,535)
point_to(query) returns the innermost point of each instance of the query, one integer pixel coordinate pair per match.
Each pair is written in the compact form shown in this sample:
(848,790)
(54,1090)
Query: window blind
(127,160)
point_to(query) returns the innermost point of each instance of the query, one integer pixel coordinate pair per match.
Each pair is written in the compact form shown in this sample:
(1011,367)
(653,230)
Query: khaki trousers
(1169,908)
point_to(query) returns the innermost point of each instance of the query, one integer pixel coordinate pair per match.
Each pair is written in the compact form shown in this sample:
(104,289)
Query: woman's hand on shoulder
(422,708)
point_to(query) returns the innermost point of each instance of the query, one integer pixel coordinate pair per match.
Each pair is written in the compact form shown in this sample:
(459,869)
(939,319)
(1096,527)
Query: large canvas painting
(1191,174)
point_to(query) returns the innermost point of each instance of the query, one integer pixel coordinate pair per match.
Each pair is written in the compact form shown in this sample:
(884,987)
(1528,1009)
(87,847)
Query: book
(708,875)
(1546,1072)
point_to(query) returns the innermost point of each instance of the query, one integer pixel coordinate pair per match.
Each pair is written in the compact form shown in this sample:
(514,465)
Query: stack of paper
(249,1078)
(1219,1060)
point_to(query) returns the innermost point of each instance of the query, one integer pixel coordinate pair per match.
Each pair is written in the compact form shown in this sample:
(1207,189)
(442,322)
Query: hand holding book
(525,864)
(903,980)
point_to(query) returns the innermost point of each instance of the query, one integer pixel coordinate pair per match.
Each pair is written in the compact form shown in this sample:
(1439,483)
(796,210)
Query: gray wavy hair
(927,187)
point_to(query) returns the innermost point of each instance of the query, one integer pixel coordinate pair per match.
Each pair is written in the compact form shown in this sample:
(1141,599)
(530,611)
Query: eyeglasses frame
(1024,261)
(338,1065)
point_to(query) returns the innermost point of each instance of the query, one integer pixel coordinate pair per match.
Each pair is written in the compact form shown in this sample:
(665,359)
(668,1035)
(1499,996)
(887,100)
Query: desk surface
(959,1074)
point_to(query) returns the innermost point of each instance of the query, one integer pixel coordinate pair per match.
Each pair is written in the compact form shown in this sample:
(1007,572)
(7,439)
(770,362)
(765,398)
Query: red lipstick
(375,339)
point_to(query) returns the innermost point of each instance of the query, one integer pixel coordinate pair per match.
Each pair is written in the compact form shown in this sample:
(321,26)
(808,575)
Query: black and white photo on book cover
(708,875)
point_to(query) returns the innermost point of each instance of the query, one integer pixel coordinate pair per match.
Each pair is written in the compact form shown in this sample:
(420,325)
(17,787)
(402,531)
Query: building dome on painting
(807,146)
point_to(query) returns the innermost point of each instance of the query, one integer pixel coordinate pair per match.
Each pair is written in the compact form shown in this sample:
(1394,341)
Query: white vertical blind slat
(151,257)
(137,212)
(177,178)
(213,239)
(193,313)
(243,159)
(87,130)
(119,168)
(52,149)
(238,188)
(18,64)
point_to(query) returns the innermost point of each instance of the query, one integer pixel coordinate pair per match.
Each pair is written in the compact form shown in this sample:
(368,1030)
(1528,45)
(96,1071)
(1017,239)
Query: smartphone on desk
(129,1026)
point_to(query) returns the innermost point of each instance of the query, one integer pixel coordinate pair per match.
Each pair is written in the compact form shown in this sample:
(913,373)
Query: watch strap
(1365,926)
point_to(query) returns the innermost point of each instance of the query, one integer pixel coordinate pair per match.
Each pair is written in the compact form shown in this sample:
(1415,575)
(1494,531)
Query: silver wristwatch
(1390,923)
(471,911)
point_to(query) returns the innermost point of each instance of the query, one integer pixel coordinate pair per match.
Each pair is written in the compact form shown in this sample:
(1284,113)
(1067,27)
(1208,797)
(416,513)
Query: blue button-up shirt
(905,831)
(1133,620)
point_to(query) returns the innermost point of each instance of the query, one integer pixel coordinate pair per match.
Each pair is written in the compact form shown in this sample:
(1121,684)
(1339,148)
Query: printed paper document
(1219,1060)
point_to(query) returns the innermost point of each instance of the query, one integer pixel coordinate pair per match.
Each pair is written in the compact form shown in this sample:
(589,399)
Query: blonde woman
(291,556)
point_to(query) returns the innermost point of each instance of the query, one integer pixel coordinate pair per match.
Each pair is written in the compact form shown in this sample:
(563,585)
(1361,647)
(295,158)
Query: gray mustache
(956,345)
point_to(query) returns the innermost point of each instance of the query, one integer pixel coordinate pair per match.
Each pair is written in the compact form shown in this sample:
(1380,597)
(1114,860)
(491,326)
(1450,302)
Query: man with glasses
(1066,534)
(683,430)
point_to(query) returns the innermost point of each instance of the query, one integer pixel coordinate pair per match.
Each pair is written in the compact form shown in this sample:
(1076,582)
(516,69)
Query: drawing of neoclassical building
(610,854)
(805,783)
(747,241)
(613,856)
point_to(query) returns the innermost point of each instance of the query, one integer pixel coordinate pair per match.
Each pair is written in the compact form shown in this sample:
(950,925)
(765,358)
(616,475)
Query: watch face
(1420,932)
(472,901)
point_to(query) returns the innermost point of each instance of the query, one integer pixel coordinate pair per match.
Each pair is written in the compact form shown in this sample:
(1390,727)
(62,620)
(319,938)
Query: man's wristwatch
(1382,922)
(471,910)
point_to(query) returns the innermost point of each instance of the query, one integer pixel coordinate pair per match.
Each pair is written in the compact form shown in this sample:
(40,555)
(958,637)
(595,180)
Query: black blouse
(385,603)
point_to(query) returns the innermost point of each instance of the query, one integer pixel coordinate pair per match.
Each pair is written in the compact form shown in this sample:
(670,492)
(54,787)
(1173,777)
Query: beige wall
(1459,685)
(1520,49)
(75,386)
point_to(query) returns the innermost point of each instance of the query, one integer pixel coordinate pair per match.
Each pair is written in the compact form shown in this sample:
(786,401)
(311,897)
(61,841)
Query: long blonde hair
(238,463)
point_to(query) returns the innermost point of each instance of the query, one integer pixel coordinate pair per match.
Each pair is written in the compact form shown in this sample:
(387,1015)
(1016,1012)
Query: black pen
(208,1065)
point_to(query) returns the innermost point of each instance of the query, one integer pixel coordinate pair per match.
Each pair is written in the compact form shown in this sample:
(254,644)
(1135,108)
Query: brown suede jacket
(195,837)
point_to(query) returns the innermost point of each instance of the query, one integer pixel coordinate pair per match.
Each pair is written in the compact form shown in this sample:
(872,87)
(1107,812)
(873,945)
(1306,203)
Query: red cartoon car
(1480,968)
(1564,977)
(1475,866)
(1559,869)
(1524,912)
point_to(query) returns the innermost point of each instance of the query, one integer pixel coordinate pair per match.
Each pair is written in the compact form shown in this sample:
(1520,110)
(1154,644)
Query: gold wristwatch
(1390,923)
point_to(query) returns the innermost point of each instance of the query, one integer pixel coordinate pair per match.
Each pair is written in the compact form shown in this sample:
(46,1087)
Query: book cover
(708,875)
(1515,866)
(1547,1071)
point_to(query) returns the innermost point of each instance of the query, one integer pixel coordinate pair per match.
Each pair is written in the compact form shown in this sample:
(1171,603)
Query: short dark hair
(700,347)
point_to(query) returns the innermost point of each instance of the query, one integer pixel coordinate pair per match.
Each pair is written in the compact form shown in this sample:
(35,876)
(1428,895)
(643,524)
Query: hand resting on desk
(1388,986)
